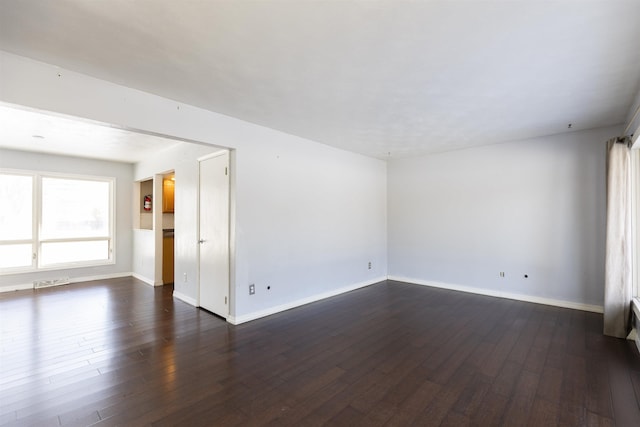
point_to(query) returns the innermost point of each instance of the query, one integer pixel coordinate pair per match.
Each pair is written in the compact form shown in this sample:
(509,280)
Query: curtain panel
(618,259)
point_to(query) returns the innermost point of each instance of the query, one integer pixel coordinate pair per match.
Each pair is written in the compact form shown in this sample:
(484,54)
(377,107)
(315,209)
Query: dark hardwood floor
(118,352)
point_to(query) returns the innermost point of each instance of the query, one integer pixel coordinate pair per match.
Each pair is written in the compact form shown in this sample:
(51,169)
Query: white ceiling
(29,130)
(375,77)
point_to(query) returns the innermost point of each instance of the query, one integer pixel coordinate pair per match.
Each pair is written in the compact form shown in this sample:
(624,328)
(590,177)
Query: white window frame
(36,241)
(635,235)
(635,221)
(635,214)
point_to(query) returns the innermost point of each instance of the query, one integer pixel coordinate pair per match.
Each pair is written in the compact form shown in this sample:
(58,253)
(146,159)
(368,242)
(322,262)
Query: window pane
(74,208)
(66,252)
(16,200)
(12,256)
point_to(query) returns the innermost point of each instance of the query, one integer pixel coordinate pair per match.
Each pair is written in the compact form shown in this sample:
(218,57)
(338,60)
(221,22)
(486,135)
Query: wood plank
(543,413)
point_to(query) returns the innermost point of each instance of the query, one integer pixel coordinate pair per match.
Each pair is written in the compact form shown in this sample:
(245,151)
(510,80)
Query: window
(54,221)
(16,221)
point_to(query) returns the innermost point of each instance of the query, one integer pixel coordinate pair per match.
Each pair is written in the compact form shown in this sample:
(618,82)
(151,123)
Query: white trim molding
(146,280)
(99,277)
(30,285)
(303,301)
(185,298)
(20,287)
(501,294)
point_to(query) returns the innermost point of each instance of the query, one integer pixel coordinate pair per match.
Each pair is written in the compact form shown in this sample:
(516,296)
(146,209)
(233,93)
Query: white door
(214,234)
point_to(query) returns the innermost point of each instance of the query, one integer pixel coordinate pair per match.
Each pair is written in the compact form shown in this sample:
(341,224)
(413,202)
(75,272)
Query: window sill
(57,267)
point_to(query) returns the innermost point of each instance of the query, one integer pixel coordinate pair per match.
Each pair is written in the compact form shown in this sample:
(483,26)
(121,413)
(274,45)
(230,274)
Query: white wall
(144,256)
(147,232)
(533,207)
(308,217)
(123,172)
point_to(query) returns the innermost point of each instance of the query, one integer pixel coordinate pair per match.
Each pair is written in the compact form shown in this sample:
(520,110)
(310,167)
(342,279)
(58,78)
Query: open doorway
(168,227)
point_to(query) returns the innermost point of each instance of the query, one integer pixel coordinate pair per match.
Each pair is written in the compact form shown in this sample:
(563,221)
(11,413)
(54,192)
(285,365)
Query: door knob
(201,241)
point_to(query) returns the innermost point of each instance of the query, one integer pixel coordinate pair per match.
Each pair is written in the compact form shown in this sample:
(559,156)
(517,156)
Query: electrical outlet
(369,265)
(184,278)
(502,274)
(252,289)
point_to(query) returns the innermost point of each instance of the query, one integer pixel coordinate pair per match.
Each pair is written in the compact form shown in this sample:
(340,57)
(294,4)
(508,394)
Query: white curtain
(618,284)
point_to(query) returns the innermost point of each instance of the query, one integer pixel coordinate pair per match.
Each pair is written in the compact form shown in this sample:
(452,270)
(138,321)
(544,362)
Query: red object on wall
(147,203)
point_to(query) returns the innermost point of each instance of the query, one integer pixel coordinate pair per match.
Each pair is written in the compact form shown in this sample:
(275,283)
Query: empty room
(296,213)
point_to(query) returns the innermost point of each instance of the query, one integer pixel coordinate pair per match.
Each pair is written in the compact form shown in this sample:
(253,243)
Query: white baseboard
(25,286)
(146,280)
(185,298)
(99,277)
(500,294)
(297,303)
(20,287)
